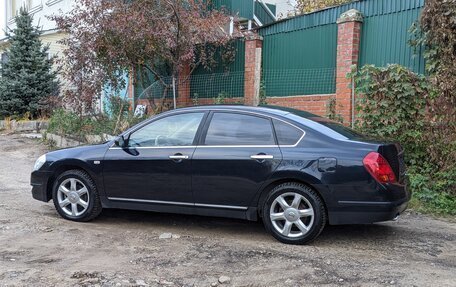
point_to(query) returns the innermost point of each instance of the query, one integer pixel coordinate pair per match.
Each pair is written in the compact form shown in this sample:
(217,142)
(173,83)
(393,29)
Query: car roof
(266,109)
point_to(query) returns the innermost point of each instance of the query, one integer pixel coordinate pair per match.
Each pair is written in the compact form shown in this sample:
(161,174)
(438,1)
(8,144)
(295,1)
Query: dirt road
(123,248)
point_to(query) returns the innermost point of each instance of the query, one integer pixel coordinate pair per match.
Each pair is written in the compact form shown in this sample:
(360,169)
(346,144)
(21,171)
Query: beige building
(283,7)
(39,9)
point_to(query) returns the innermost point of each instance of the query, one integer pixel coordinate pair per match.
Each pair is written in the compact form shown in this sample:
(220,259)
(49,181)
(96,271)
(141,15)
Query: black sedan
(294,170)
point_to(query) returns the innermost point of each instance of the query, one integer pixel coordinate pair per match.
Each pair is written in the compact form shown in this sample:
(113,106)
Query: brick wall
(209,101)
(182,102)
(315,104)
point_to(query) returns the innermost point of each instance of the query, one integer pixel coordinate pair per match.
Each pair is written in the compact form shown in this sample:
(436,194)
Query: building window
(11,9)
(15,5)
(52,2)
(33,3)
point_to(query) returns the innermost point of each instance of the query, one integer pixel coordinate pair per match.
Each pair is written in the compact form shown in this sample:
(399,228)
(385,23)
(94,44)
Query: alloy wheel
(73,197)
(291,214)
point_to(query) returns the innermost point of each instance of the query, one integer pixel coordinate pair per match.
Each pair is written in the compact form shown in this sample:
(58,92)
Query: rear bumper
(39,181)
(366,212)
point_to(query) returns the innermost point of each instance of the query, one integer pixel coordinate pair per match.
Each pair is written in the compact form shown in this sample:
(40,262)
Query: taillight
(379,168)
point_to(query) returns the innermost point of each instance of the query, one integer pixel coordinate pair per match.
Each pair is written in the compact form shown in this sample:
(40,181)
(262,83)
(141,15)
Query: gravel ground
(128,248)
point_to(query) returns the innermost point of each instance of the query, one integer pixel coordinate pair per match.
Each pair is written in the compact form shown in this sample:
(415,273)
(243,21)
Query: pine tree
(27,78)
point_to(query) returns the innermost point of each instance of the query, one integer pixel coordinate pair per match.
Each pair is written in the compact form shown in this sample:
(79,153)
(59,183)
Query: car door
(156,164)
(236,154)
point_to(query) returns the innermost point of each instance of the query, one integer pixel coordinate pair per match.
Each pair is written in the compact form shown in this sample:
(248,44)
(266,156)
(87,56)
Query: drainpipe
(174,92)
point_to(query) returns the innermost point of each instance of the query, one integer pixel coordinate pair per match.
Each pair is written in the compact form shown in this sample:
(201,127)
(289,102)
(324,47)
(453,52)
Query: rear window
(338,128)
(286,133)
(328,127)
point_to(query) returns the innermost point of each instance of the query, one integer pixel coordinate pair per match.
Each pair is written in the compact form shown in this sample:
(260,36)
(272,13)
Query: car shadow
(243,228)
(378,232)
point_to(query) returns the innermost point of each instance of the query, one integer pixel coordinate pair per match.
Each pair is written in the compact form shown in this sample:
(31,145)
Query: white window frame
(21,3)
(36,8)
(52,2)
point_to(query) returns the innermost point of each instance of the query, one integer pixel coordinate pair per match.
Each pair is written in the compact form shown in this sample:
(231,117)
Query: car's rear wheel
(75,196)
(294,213)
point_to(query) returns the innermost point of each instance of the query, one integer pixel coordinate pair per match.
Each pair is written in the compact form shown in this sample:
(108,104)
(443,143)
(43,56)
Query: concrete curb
(23,126)
(64,142)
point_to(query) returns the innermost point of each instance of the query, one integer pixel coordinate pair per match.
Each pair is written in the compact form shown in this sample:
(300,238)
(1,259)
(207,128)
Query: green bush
(393,104)
(221,98)
(68,123)
(431,193)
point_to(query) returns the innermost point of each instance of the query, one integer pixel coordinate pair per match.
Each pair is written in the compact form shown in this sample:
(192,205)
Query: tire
(303,217)
(76,188)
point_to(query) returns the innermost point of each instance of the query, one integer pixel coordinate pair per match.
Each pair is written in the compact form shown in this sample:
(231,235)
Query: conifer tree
(27,77)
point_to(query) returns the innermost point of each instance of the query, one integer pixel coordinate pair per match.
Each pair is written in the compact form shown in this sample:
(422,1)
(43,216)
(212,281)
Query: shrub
(394,103)
(263,97)
(70,124)
(391,104)
(432,195)
(438,25)
(221,98)
(66,123)
(331,112)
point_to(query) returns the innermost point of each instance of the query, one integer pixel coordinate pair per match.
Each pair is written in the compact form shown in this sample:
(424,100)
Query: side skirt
(247,213)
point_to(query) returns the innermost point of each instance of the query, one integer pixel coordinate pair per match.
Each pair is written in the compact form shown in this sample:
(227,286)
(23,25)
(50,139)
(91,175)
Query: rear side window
(239,129)
(286,133)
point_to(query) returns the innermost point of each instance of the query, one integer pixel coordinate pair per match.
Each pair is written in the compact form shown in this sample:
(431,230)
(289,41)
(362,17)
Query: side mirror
(121,141)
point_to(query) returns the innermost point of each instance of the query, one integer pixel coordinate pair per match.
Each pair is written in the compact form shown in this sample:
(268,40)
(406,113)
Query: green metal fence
(309,52)
(222,85)
(286,82)
(384,40)
(227,80)
(310,42)
(157,89)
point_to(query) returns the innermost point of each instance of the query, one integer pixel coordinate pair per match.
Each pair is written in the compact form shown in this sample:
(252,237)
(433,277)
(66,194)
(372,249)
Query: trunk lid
(394,154)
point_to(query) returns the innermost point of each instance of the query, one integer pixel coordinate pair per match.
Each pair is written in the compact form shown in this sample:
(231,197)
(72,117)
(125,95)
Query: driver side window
(177,130)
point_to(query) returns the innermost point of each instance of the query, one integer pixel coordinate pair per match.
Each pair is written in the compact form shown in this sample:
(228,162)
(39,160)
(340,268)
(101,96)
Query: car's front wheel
(293,213)
(75,196)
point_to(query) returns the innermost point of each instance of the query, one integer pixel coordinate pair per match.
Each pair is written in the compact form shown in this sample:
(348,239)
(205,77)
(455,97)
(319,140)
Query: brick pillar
(252,74)
(348,40)
(183,86)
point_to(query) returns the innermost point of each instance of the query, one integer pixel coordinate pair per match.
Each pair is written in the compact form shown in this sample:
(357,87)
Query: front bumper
(367,212)
(39,181)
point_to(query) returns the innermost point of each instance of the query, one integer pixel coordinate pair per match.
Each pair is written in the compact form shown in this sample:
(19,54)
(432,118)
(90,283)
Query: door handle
(178,156)
(261,156)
